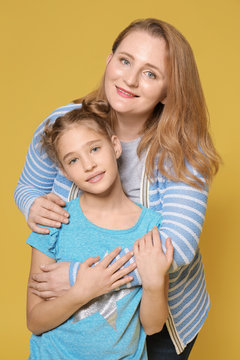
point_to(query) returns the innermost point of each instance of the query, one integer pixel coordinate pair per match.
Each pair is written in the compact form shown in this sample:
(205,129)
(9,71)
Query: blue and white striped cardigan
(182,208)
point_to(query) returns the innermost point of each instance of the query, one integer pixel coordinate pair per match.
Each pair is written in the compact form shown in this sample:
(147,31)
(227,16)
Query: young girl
(157,108)
(90,321)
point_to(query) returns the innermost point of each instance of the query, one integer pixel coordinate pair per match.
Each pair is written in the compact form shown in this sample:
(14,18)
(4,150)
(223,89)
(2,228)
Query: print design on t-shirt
(105,304)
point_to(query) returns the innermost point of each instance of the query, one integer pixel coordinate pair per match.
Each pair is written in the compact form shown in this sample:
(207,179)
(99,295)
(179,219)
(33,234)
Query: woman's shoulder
(60,111)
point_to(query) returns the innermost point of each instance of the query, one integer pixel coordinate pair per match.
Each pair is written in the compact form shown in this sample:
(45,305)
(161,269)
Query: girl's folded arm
(44,315)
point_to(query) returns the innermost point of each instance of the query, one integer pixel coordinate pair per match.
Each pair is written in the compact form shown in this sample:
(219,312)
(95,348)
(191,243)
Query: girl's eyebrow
(88,143)
(68,154)
(147,64)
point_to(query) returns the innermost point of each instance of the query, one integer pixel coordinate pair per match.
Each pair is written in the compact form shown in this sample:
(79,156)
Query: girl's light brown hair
(92,114)
(177,131)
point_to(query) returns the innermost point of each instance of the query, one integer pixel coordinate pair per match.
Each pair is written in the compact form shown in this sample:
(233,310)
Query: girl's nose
(88,163)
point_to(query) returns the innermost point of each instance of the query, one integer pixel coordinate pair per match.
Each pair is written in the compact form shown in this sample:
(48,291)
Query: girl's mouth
(96,177)
(124,93)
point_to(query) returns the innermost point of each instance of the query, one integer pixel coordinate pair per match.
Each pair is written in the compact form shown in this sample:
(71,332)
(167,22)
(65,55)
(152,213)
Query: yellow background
(53,51)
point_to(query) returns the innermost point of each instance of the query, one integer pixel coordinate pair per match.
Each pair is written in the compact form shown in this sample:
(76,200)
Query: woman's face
(136,75)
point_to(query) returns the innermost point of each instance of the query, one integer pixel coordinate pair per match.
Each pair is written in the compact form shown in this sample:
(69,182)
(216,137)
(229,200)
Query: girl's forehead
(88,125)
(83,130)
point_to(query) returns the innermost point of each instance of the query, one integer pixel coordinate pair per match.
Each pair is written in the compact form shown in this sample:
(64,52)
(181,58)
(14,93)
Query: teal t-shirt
(108,327)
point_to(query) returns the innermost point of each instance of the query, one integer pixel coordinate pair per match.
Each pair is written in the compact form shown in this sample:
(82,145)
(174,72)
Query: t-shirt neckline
(102,229)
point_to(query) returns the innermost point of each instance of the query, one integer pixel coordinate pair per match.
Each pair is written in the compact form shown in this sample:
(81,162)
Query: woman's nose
(131,78)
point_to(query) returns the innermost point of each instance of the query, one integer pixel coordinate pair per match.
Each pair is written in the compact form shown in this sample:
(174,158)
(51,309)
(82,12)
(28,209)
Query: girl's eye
(150,74)
(95,148)
(124,61)
(73,161)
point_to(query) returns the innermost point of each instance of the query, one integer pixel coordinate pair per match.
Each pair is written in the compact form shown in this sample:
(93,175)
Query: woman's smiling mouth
(124,93)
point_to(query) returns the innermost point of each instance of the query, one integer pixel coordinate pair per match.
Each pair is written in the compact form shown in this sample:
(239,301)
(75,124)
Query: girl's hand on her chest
(96,277)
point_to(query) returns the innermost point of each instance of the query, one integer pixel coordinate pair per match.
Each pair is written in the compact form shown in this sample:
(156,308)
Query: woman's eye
(150,74)
(124,61)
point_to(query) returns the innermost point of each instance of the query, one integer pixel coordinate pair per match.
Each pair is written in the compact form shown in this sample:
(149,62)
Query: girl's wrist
(154,289)
(78,295)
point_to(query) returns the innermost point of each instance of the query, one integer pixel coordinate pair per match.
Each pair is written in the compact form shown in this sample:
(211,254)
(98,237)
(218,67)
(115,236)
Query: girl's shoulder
(47,243)
(152,217)
(73,206)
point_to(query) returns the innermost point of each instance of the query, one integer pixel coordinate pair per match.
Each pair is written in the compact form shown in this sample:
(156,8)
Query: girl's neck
(112,210)
(104,202)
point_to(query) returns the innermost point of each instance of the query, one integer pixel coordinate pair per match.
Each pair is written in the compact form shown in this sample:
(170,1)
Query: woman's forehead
(142,46)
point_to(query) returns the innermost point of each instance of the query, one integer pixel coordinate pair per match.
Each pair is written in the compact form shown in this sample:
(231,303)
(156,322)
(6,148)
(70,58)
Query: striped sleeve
(39,171)
(183,210)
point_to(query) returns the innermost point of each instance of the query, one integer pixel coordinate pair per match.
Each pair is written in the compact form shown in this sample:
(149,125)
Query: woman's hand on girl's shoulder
(47,211)
(152,263)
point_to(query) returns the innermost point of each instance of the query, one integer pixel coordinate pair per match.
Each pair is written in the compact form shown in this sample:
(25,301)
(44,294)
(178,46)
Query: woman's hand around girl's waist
(54,280)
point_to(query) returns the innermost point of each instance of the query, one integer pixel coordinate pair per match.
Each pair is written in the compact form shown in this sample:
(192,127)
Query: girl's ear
(116,146)
(109,58)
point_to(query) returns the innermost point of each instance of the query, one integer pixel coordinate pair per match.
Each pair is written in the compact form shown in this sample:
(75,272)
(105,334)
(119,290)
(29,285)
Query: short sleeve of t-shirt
(47,244)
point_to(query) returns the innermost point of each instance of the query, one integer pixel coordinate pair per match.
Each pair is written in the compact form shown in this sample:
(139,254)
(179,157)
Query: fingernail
(42,266)
(65,221)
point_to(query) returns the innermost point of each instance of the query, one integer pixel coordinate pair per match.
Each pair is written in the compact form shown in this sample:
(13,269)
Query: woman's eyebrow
(147,64)
(125,53)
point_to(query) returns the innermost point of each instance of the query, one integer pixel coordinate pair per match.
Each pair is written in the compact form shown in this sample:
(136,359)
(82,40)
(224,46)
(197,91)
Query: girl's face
(88,158)
(136,75)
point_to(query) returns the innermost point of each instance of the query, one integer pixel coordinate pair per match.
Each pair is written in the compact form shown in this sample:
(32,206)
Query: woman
(158,111)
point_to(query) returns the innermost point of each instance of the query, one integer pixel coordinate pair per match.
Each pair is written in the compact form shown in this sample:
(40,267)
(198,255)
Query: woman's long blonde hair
(177,131)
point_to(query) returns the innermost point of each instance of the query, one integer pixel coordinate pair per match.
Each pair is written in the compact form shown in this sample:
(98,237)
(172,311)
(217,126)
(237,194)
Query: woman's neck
(129,128)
